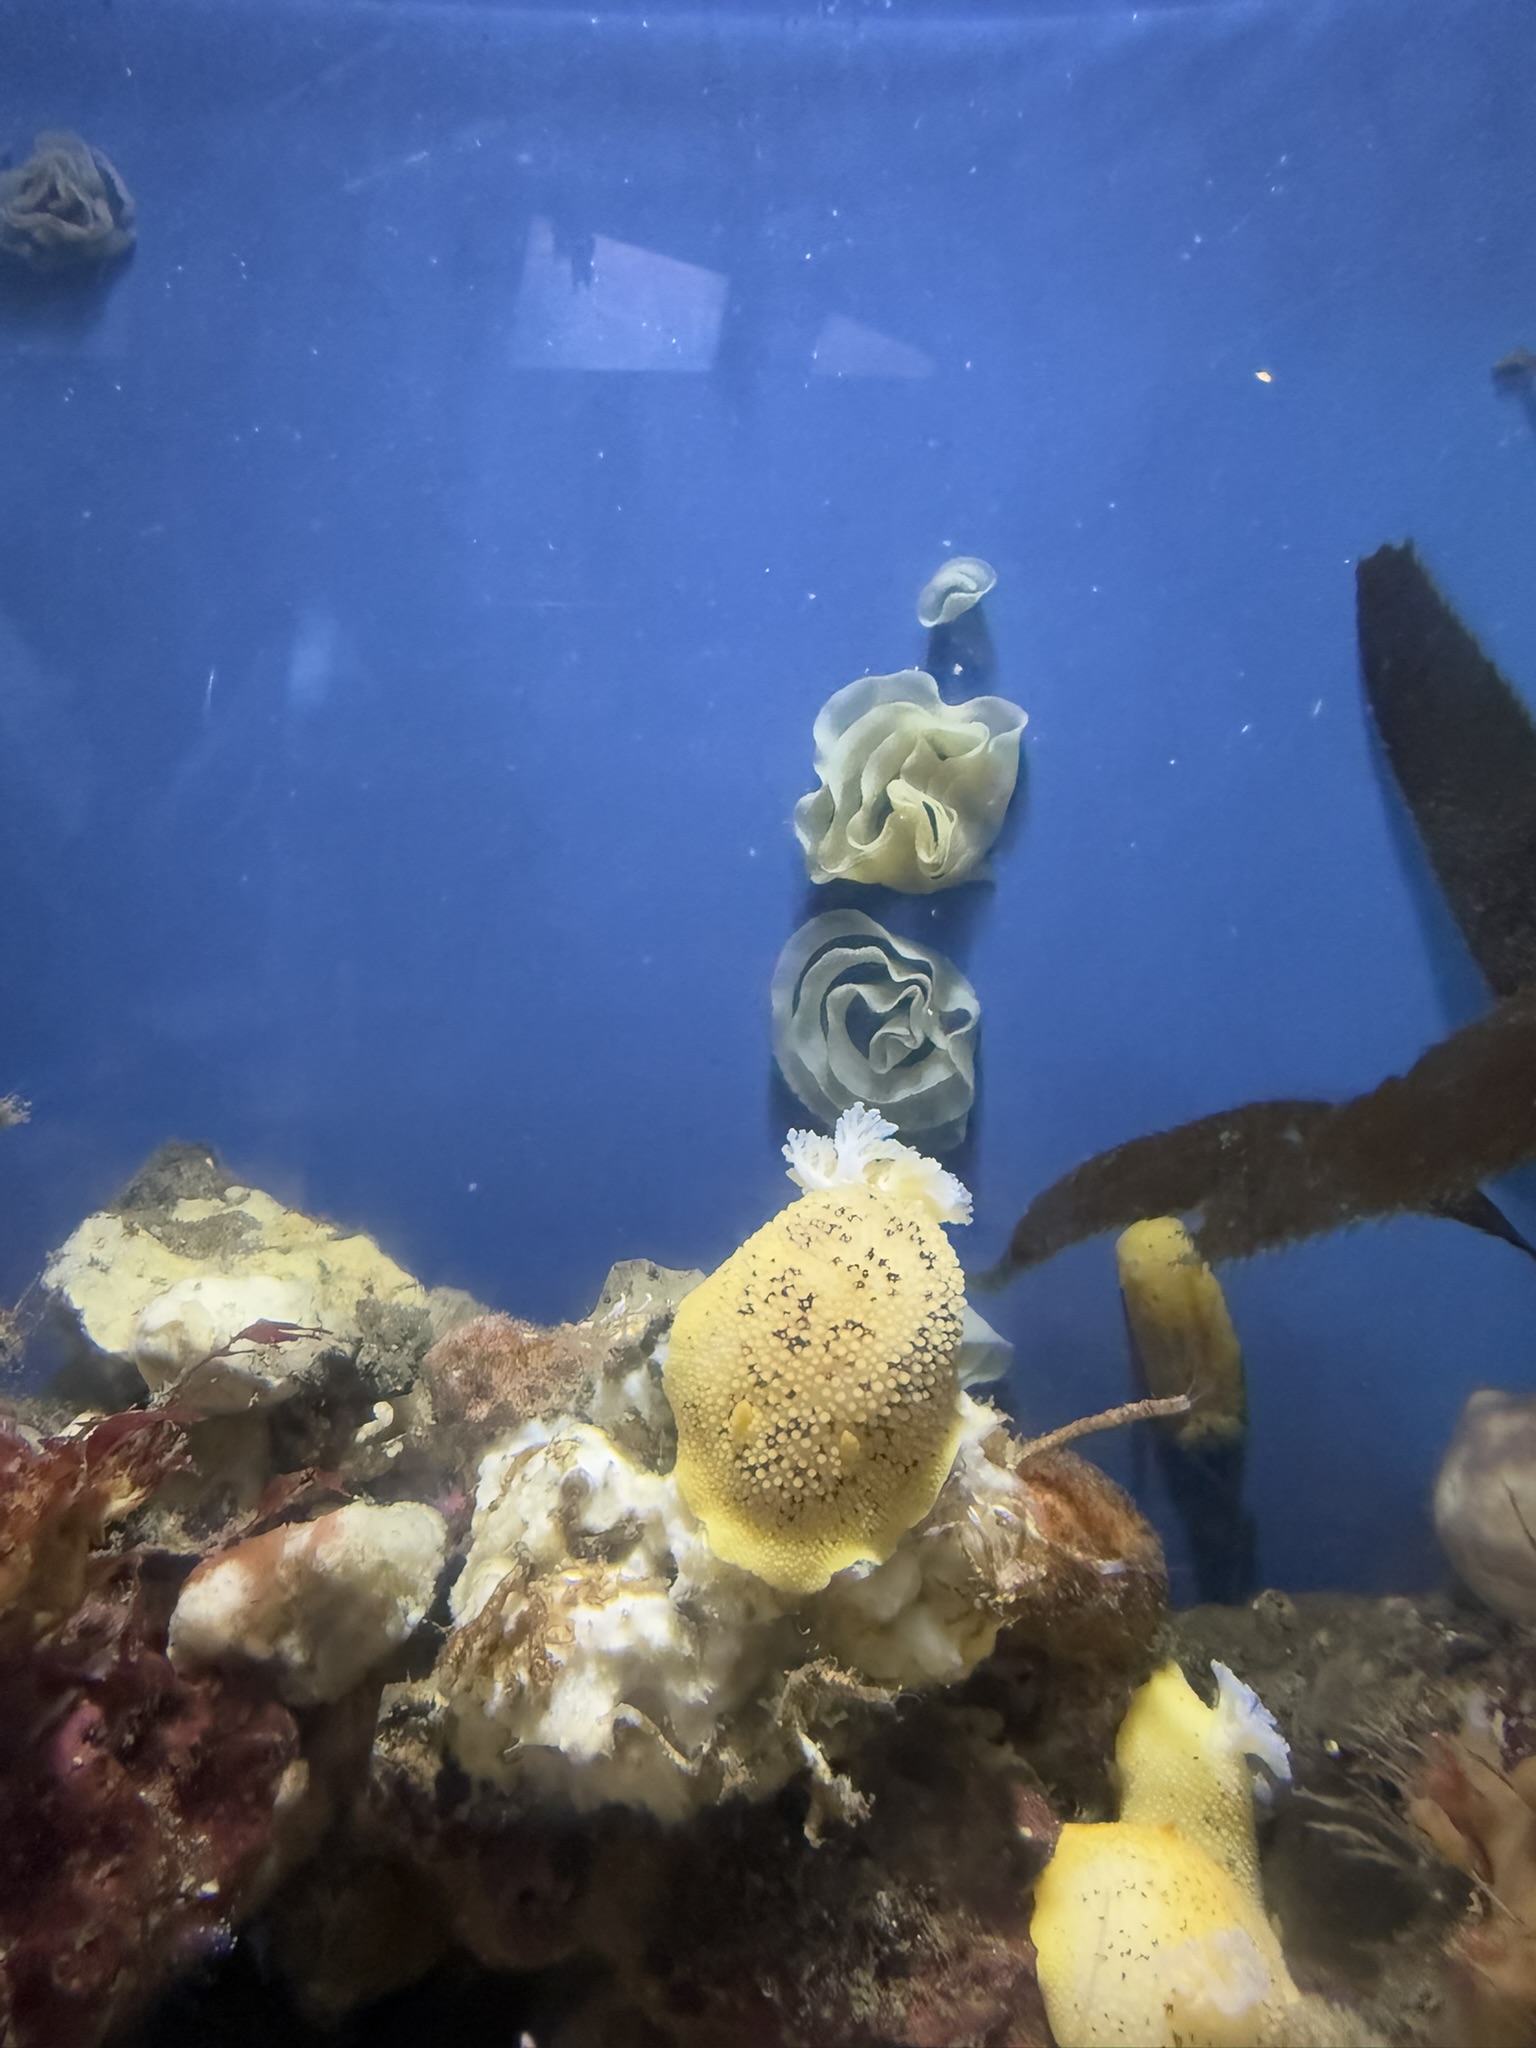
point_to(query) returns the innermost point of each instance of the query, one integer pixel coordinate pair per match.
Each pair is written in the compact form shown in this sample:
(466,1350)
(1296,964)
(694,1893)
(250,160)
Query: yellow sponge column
(1181,1329)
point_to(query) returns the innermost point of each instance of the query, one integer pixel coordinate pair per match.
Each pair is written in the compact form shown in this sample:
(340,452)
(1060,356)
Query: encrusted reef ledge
(355,1611)
(356,1637)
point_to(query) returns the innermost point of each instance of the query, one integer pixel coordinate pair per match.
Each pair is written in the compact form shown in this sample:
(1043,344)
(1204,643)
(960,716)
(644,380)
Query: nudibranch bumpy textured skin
(1152,1929)
(814,1375)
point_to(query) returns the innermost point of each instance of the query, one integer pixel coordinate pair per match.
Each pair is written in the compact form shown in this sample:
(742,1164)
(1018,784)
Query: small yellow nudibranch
(1181,1330)
(1151,1929)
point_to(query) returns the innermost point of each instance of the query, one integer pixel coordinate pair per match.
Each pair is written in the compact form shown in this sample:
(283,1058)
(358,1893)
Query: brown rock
(496,1371)
(1086,1578)
(910,1929)
(353,1928)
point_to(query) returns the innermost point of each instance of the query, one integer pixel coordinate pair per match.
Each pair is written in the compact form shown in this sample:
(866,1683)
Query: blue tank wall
(419,574)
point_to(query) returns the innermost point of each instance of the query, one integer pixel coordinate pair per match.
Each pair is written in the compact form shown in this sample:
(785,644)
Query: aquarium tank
(768,1075)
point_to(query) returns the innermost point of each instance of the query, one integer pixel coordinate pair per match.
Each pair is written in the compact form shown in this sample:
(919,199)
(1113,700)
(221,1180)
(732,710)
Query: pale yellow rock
(137,1297)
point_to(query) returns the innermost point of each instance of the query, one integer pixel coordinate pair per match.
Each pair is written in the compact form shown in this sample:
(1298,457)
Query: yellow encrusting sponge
(1181,1329)
(813,1375)
(1151,1929)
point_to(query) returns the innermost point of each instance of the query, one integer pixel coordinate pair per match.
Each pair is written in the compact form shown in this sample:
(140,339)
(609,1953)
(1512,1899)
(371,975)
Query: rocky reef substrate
(364,1675)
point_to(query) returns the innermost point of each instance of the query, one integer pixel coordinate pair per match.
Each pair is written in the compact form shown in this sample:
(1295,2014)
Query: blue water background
(400,721)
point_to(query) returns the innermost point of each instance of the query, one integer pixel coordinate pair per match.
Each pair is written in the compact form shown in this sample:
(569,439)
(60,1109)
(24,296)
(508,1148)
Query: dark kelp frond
(1465,1112)
(1169,1173)
(1479,1213)
(1462,748)
(1272,1173)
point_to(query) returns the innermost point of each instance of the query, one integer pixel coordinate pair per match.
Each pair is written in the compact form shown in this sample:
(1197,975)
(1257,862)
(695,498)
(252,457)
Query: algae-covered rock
(219,1295)
(624,1745)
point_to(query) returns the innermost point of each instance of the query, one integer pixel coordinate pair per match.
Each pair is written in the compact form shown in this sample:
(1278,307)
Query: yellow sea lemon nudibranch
(1151,1929)
(814,1375)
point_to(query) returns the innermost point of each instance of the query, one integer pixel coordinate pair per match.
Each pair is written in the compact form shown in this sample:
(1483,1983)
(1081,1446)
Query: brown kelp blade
(1479,1213)
(1462,748)
(1272,1173)
(1167,1173)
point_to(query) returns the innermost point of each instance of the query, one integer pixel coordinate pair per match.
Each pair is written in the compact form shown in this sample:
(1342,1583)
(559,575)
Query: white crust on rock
(605,1653)
(137,1297)
(319,1603)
